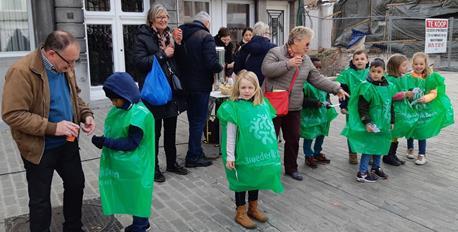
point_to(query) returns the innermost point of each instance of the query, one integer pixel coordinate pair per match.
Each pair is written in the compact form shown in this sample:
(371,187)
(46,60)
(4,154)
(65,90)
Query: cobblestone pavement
(414,198)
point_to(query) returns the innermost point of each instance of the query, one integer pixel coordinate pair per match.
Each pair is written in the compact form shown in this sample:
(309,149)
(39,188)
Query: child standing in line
(406,116)
(349,79)
(432,104)
(316,116)
(370,122)
(127,147)
(249,147)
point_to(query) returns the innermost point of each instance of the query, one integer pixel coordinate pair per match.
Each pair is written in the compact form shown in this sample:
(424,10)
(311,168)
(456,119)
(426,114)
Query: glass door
(111,26)
(278,20)
(238,15)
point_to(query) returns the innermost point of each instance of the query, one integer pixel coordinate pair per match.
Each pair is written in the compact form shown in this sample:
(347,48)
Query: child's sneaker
(421,159)
(366,177)
(410,154)
(379,172)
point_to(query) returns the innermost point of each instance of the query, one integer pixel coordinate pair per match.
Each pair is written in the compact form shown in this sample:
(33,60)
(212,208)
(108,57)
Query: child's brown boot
(255,213)
(242,218)
(353,158)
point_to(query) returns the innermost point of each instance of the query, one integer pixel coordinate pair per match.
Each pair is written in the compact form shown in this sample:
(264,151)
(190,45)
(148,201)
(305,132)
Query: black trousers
(240,197)
(67,162)
(170,128)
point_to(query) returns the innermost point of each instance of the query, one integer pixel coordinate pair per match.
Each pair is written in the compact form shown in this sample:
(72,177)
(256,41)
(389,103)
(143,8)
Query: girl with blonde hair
(249,147)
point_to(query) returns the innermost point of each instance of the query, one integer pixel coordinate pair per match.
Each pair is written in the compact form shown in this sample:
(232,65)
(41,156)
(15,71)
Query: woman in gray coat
(279,67)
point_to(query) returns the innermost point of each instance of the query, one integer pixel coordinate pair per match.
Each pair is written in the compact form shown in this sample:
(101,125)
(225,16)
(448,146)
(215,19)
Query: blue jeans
(317,147)
(197,116)
(421,146)
(139,224)
(364,162)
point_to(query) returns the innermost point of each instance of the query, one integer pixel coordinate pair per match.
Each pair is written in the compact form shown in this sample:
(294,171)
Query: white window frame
(31,35)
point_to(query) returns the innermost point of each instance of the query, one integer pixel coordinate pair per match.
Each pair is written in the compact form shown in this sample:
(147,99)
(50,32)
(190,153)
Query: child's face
(317,65)
(360,61)
(419,65)
(376,73)
(118,102)
(403,67)
(246,89)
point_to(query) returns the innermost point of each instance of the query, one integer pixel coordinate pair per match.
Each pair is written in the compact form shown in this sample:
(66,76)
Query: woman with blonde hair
(281,66)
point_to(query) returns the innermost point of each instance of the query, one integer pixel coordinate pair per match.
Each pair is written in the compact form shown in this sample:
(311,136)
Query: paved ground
(414,198)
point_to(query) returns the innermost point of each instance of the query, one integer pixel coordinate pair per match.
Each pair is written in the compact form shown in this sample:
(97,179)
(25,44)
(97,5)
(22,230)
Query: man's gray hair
(202,17)
(261,29)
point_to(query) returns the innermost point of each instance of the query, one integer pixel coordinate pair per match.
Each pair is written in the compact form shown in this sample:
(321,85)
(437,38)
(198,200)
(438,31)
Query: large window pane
(132,5)
(238,18)
(129,32)
(191,8)
(14,26)
(97,5)
(100,48)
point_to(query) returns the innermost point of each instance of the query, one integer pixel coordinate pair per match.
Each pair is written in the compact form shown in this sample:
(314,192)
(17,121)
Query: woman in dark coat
(155,39)
(223,39)
(252,54)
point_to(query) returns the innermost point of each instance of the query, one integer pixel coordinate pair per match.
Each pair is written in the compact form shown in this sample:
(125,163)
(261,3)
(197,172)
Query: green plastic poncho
(360,140)
(257,160)
(435,115)
(126,178)
(316,121)
(352,78)
(406,117)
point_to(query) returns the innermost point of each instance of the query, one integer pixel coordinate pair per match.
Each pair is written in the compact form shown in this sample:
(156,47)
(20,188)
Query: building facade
(106,28)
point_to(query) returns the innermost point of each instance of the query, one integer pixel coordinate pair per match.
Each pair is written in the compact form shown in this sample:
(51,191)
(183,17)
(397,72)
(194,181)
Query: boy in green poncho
(316,116)
(127,161)
(249,147)
(371,121)
(349,79)
(431,103)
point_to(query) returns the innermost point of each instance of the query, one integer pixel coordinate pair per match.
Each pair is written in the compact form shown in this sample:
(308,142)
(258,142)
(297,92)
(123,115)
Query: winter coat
(197,58)
(147,46)
(252,54)
(279,76)
(26,102)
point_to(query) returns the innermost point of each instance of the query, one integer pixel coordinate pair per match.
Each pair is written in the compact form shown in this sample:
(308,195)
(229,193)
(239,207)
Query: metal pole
(390,28)
(450,40)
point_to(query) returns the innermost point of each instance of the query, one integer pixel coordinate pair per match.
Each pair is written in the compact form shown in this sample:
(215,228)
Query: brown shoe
(310,161)
(255,213)
(353,158)
(321,159)
(242,218)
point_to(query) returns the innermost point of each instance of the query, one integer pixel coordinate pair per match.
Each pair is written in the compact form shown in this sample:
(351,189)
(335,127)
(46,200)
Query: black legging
(240,197)
(170,127)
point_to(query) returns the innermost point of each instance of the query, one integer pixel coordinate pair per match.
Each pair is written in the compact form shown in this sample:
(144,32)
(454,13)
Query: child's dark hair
(378,62)
(223,32)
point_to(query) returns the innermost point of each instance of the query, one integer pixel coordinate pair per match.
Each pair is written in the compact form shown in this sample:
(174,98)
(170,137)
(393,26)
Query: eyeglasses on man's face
(69,62)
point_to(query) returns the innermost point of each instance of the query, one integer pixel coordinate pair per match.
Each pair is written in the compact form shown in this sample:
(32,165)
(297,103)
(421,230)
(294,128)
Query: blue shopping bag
(156,89)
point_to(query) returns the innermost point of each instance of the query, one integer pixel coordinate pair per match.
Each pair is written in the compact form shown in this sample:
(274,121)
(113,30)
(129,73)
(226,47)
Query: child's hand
(422,100)
(369,128)
(409,95)
(230,164)
(392,126)
(343,111)
(98,141)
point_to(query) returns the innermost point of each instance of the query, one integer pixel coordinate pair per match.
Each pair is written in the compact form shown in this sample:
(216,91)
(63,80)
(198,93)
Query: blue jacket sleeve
(130,143)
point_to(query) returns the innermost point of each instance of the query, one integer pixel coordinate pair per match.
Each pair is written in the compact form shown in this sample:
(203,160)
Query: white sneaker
(421,159)
(410,154)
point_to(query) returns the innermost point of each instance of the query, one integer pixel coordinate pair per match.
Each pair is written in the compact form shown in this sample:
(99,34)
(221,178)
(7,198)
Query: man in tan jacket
(42,107)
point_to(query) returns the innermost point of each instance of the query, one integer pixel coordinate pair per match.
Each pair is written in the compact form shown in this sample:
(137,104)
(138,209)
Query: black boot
(395,148)
(390,158)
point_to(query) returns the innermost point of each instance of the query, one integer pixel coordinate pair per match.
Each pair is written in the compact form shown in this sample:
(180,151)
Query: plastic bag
(126,178)
(156,89)
(257,161)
